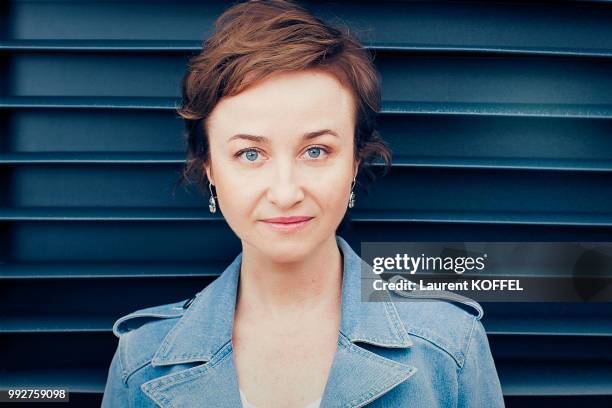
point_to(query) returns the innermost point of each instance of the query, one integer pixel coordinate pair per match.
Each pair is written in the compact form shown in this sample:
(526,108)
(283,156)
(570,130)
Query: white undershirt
(246,404)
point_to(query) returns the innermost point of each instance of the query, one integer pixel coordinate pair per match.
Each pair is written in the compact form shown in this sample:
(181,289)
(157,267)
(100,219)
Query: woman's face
(277,171)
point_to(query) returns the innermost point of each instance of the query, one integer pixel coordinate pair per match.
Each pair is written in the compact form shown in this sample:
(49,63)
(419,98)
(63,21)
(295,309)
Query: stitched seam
(446,295)
(138,364)
(161,399)
(136,315)
(422,336)
(376,392)
(124,373)
(467,348)
(389,313)
(369,355)
(171,336)
(466,340)
(132,372)
(182,376)
(349,346)
(369,396)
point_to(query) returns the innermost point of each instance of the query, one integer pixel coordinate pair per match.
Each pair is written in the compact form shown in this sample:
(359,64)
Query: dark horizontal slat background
(499,115)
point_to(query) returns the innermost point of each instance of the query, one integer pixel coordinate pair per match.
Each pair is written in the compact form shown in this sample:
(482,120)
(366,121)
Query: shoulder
(444,320)
(142,331)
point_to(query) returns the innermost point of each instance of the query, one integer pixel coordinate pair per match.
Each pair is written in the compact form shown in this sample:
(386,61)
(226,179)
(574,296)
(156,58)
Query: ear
(356,168)
(208,170)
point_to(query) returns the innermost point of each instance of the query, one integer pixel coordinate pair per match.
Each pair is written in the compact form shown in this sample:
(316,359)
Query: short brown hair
(257,38)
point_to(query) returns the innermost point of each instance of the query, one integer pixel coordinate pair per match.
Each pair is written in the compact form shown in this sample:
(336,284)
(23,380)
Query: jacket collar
(204,333)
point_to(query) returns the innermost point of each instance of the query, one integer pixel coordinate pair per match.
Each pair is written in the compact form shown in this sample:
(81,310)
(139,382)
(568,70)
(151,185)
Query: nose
(285,189)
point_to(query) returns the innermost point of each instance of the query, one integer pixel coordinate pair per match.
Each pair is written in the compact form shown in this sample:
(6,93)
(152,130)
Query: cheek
(334,192)
(233,198)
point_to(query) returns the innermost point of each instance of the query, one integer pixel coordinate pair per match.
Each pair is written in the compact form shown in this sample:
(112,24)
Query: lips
(287,225)
(288,220)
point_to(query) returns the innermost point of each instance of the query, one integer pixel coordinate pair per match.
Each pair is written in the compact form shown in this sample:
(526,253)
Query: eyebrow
(263,139)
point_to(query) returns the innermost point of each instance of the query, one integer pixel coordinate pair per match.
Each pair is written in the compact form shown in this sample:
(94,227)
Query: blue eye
(317,149)
(251,154)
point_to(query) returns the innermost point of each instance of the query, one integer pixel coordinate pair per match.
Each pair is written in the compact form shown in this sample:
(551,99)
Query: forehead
(293,102)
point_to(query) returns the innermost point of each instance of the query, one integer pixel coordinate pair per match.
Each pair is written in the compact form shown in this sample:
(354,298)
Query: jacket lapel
(359,376)
(207,385)
(203,334)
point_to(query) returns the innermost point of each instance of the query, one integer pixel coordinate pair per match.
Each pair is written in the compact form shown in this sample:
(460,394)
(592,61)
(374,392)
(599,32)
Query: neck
(284,291)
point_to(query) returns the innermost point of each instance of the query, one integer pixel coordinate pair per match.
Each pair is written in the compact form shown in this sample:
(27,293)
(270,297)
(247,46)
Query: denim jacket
(392,353)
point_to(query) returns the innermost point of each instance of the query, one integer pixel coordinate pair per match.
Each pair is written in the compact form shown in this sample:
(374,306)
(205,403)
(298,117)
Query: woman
(280,110)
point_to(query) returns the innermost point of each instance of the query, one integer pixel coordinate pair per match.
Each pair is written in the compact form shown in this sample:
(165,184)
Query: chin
(287,251)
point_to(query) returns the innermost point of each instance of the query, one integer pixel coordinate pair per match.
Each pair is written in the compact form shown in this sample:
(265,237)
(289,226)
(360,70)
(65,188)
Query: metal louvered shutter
(499,115)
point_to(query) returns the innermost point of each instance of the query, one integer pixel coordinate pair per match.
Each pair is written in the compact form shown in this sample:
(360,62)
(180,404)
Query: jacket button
(188,302)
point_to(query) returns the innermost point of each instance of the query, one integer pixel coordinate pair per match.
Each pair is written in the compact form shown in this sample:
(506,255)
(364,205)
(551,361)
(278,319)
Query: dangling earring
(212,205)
(351,202)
